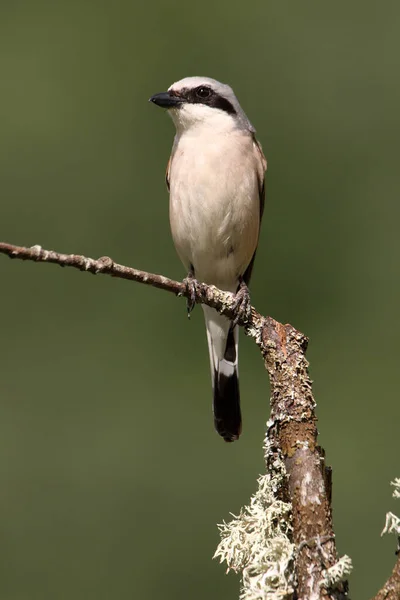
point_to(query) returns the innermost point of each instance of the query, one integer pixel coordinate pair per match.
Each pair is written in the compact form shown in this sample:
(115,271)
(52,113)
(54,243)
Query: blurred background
(112,478)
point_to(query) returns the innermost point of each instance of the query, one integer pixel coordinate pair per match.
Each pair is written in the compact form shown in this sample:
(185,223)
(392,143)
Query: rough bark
(391,589)
(293,430)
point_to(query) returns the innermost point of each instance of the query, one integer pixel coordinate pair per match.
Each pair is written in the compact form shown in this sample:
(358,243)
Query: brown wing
(167,172)
(261,180)
(261,185)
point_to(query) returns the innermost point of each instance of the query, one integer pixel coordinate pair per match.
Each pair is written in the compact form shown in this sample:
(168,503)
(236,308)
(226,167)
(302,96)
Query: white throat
(192,117)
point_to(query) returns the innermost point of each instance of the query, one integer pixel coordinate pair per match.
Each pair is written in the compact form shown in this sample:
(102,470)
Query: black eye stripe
(222,104)
(213,99)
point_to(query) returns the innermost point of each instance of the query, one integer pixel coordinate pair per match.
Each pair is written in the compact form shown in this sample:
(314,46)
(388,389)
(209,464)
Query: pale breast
(215,205)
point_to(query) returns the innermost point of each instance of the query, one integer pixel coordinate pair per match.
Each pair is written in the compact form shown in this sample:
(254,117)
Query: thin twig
(205,294)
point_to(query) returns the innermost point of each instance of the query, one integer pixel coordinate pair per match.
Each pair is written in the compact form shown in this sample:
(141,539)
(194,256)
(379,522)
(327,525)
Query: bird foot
(190,283)
(242,304)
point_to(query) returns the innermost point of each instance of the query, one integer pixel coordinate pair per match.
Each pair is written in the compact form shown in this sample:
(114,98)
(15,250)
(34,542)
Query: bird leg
(190,282)
(242,303)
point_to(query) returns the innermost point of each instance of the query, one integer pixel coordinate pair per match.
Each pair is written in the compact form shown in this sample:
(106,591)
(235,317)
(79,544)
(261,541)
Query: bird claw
(190,284)
(242,304)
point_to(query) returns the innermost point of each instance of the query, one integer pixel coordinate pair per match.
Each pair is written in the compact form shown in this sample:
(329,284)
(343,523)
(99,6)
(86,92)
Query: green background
(112,479)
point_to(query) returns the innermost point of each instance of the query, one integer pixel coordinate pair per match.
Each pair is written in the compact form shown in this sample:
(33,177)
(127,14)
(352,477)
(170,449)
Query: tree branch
(205,294)
(103,265)
(294,461)
(391,589)
(293,431)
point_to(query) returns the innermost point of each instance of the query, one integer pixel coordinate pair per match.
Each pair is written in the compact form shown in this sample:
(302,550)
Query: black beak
(165,100)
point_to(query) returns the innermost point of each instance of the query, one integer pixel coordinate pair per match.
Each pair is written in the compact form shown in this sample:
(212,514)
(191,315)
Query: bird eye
(203,92)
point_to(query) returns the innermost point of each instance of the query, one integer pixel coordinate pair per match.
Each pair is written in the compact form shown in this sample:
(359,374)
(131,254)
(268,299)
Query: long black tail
(227,415)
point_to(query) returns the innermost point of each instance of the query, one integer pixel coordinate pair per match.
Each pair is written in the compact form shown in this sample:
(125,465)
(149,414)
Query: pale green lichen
(257,542)
(392,523)
(337,573)
(396,483)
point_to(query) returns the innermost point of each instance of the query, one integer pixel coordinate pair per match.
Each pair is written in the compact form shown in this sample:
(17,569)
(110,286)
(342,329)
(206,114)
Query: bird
(215,177)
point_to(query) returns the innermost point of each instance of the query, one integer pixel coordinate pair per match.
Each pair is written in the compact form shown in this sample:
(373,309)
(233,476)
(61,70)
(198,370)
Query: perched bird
(215,177)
